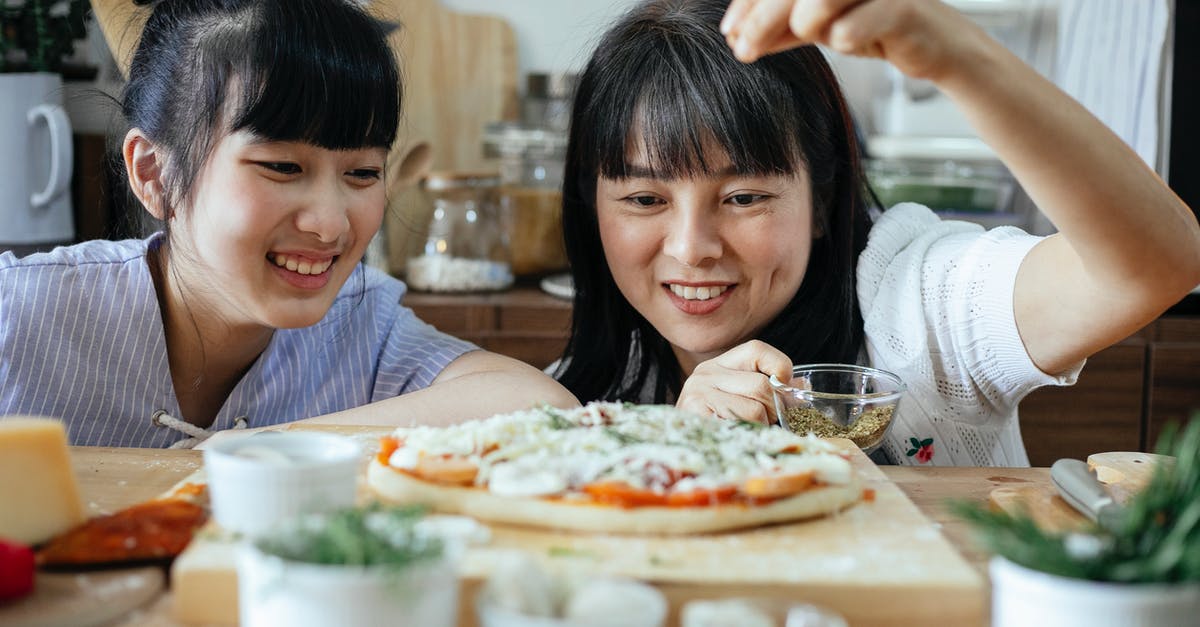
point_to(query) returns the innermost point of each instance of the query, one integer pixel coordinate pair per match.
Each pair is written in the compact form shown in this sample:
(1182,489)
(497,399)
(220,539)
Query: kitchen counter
(112,478)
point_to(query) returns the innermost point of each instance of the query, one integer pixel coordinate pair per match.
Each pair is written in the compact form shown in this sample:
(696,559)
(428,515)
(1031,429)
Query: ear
(144,168)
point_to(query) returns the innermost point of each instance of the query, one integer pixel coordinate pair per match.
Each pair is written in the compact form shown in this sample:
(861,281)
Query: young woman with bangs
(259,131)
(716,220)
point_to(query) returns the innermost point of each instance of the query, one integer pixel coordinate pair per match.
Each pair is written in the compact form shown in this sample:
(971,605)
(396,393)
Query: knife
(1080,488)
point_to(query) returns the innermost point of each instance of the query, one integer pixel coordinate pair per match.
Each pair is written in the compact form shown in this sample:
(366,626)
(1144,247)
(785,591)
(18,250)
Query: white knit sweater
(937,303)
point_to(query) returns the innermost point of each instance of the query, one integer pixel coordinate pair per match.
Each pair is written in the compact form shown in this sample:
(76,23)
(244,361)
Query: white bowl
(275,591)
(1022,596)
(259,480)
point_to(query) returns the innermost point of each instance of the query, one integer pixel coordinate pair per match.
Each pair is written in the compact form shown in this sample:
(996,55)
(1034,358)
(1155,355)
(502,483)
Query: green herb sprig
(374,535)
(1156,539)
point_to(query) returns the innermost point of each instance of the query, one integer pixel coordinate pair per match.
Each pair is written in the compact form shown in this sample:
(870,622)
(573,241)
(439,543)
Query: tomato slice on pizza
(616,468)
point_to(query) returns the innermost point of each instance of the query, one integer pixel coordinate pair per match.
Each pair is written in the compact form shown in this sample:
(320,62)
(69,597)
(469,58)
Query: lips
(688,292)
(301,264)
(698,300)
(302,271)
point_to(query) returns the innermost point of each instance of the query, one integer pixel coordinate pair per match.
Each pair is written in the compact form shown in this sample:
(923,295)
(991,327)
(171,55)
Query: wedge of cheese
(38,495)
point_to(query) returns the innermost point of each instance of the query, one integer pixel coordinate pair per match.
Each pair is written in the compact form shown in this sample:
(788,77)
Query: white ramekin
(261,479)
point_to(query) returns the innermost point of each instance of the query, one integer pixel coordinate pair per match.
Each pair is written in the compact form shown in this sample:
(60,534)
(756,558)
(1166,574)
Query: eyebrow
(638,171)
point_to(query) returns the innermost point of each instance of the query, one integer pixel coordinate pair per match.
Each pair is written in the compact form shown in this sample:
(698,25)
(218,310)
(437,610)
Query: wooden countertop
(112,478)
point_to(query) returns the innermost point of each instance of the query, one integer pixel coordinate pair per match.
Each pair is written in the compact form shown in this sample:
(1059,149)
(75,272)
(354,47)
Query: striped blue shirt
(81,339)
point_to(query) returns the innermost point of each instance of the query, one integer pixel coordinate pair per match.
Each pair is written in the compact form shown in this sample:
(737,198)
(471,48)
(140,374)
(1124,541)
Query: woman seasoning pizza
(715,213)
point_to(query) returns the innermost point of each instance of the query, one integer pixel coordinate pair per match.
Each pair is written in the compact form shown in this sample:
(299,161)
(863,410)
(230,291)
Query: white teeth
(688,292)
(301,266)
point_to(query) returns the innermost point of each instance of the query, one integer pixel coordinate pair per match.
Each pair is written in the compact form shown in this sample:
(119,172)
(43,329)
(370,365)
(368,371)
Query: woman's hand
(922,38)
(735,383)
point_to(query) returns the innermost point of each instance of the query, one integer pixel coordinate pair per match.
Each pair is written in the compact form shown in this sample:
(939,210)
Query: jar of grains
(466,249)
(530,161)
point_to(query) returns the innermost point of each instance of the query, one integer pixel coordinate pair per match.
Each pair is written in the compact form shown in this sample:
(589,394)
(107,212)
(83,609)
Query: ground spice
(866,432)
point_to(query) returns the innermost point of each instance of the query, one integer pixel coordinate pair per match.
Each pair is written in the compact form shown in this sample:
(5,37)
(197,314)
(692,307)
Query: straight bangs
(306,80)
(673,115)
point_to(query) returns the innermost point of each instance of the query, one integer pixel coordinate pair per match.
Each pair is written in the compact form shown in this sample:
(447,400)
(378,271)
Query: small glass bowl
(839,401)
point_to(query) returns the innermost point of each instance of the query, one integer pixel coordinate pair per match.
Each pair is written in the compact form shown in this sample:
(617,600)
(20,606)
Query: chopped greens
(565,551)
(375,535)
(623,438)
(557,421)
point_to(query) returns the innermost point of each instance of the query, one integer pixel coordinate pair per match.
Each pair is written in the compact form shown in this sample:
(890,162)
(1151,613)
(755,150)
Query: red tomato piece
(16,570)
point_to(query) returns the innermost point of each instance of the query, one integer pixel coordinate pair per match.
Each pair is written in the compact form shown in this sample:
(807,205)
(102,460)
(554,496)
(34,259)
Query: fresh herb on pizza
(615,468)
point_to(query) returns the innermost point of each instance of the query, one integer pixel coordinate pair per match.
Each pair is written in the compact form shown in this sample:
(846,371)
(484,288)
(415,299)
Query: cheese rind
(38,494)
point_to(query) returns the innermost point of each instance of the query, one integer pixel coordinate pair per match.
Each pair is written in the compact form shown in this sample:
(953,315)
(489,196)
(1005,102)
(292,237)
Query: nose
(693,236)
(325,213)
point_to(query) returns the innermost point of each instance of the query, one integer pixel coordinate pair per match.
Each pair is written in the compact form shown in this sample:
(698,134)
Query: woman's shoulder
(902,225)
(89,253)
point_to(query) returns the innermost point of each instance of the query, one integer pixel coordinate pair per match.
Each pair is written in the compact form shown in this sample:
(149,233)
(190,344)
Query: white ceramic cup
(1022,596)
(274,591)
(261,479)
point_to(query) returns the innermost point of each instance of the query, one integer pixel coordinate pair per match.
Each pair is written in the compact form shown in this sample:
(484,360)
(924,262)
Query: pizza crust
(399,487)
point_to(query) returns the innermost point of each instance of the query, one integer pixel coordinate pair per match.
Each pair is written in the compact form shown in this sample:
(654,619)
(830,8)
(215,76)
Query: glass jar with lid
(530,161)
(466,248)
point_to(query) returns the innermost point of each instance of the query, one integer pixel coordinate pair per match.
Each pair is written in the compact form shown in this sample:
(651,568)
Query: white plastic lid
(932,148)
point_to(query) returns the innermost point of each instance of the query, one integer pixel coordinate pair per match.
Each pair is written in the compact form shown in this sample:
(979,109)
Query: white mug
(35,161)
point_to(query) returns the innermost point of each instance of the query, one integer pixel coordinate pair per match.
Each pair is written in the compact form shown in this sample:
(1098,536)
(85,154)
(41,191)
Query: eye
(643,201)
(745,200)
(366,174)
(281,167)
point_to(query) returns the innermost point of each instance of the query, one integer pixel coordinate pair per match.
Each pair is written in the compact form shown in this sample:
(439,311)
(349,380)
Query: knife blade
(1080,488)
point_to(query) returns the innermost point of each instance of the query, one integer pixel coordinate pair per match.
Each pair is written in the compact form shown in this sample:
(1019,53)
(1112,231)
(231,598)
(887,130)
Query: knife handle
(1079,487)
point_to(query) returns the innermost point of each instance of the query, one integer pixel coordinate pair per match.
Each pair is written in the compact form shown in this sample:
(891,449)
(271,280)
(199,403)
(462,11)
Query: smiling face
(274,229)
(709,261)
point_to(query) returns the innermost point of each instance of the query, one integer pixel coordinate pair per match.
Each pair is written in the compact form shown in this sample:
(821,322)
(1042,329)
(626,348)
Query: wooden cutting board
(877,563)
(83,599)
(460,73)
(1123,473)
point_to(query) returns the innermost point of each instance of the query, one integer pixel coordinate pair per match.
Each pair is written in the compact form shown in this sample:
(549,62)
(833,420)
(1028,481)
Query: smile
(688,292)
(301,265)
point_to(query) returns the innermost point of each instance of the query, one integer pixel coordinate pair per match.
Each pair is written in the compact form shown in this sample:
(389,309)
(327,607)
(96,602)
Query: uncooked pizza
(614,468)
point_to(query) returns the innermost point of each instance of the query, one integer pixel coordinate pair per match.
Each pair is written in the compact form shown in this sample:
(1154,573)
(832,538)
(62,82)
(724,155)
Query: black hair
(318,71)
(664,75)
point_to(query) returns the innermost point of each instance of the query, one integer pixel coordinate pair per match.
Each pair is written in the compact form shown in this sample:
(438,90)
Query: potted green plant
(1140,567)
(36,36)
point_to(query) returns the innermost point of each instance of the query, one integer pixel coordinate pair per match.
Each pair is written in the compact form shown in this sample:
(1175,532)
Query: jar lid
(501,139)
(454,179)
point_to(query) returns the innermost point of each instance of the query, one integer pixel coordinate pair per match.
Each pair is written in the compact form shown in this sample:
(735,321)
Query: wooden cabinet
(523,322)
(1173,373)
(1101,412)
(1124,396)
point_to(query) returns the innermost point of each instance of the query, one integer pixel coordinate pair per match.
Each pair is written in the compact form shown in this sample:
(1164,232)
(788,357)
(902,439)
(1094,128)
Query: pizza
(616,468)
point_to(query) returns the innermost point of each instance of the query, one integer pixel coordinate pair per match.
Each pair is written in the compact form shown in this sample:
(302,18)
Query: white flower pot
(1021,596)
(273,591)
(35,163)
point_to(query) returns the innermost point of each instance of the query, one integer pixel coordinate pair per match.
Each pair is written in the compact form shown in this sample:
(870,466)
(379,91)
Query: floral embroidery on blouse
(921,449)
